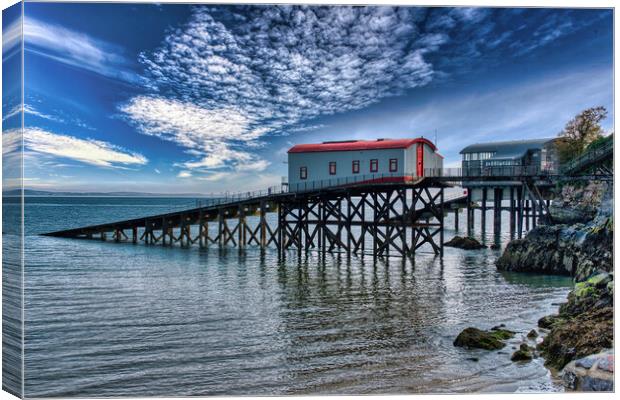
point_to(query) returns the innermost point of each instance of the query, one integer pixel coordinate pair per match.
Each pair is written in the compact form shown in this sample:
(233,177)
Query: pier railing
(223,198)
(503,171)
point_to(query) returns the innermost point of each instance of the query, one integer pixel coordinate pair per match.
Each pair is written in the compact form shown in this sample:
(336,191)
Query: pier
(377,215)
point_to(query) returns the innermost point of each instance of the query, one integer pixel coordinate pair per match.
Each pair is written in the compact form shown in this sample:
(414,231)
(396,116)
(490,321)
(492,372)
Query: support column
(134,234)
(280,229)
(520,194)
(497,211)
(470,222)
(164,232)
(441,223)
(512,211)
(222,231)
(528,214)
(263,225)
(201,229)
(241,227)
(483,222)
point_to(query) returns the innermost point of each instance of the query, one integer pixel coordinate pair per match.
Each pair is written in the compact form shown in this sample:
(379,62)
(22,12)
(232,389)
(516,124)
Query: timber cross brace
(396,221)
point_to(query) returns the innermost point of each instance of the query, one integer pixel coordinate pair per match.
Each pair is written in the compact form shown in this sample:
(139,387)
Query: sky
(199,99)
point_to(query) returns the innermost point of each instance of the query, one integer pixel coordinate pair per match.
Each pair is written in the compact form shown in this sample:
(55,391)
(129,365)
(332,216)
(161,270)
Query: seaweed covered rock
(465,243)
(525,353)
(586,333)
(480,339)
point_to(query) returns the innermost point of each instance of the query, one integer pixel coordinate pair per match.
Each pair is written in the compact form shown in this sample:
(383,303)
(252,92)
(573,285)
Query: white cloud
(11,36)
(89,151)
(216,137)
(184,174)
(279,65)
(77,49)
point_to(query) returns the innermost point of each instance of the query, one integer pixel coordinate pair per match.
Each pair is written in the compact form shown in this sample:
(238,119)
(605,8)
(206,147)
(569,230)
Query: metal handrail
(588,156)
(310,186)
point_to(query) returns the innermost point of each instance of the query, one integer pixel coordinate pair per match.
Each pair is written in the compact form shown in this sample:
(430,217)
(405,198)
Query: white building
(313,166)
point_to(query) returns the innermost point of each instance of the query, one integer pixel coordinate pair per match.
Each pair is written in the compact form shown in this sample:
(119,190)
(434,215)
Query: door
(420,159)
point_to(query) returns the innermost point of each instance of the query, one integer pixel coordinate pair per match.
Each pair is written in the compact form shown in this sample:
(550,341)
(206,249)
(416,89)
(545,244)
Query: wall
(318,166)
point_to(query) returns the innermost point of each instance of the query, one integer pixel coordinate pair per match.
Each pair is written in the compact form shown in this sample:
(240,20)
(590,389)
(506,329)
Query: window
(374,165)
(393,164)
(356,166)
(332,167)
(303,173)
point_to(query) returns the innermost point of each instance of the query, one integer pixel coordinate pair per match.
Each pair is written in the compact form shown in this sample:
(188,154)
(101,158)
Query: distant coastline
(45,193)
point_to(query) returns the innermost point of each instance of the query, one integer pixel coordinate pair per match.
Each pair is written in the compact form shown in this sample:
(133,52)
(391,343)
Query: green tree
(579,132)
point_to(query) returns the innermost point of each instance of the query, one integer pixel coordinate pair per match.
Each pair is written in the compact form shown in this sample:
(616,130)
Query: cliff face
(579,243)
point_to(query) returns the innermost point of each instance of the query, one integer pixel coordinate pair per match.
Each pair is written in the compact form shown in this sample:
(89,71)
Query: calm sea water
(106,319)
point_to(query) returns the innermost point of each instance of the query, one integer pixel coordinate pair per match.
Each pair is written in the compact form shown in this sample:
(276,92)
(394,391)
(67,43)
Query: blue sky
(179,98)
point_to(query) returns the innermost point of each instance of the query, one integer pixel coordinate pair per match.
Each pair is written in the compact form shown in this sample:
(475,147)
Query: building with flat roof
(535,155)
(313,166)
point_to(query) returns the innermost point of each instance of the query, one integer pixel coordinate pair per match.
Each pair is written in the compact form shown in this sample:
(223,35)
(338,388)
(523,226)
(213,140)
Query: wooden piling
(483,222)
(497,211)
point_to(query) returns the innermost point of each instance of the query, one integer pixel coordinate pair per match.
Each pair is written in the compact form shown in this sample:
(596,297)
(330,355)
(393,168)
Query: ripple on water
(106,319)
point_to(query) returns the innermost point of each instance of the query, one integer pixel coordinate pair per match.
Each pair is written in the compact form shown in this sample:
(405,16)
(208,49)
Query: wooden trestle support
(396,221)
(382,221)
(239,234)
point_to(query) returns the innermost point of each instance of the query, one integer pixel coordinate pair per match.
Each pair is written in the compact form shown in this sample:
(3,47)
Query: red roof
(359,145)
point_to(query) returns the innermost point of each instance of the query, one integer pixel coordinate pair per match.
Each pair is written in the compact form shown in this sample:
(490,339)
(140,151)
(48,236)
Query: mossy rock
(548,321)
(586,291)
(502,334)
(523,354)
(479,339)
(532,334)
(598,280)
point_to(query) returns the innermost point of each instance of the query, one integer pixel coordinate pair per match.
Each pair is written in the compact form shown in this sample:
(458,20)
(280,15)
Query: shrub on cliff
(579,132)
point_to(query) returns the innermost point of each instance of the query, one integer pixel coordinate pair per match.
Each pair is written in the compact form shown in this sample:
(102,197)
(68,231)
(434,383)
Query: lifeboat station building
(315,166)
(510,157)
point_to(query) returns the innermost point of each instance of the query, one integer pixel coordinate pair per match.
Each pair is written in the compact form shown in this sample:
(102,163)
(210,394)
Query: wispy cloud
(231,76)
(77,49)
(11,37)
(88,151)
(214,137)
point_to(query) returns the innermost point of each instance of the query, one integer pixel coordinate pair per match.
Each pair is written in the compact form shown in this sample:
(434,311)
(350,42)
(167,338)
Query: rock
(588,295)
(576,248)
(479,339)
(566,215)
(495,246)
(599,280)
(579,336)
(532,334)
(548,321)
(523,354)
(465,243)
(473,359)
(592,373)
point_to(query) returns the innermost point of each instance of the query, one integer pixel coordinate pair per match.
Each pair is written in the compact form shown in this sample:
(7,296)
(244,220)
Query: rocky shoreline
(578,243)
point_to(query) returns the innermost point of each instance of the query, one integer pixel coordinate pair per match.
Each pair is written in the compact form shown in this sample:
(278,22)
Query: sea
(105,319)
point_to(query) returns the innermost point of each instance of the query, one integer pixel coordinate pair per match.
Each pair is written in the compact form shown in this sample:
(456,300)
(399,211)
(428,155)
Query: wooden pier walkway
(393,216)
